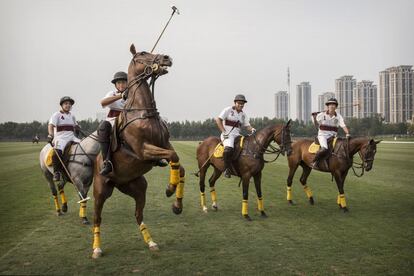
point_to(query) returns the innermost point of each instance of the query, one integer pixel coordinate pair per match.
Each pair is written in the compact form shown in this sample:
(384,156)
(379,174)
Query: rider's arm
(50,129)
(342,125)
(219,123)
(110,99)
(346,130)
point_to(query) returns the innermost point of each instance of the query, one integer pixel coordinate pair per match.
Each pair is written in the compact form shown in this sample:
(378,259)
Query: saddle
(114,137)
(65,157)
(315,146)
(238,147)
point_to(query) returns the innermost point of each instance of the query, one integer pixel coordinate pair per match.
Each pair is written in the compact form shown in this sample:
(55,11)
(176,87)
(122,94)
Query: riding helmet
(67,99)
(119,76)
(332,101)
(240,97)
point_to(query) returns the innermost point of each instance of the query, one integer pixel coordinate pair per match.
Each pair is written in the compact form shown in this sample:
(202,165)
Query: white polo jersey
(329,125)
(116,107)
(233,120)
(64,125)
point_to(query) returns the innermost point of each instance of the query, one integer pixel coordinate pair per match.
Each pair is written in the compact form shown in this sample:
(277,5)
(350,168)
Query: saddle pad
(48,157)
(218,151)
(313,148)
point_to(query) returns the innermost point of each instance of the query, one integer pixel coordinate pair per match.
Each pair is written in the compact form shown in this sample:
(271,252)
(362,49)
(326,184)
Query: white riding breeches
(229,142)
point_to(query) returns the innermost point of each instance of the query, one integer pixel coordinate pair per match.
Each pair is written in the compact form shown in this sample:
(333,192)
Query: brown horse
(144,138)
(249,162)
(338,164)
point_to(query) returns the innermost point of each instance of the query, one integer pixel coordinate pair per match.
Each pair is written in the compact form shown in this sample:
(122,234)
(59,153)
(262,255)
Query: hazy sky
(220,48)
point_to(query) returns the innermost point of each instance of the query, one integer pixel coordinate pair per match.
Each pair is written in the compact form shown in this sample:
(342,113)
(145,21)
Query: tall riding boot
(320,155)
(104,132)
(56,165)
(227,156)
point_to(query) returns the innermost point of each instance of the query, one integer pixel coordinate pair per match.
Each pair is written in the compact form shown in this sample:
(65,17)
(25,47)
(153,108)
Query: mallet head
(174,8)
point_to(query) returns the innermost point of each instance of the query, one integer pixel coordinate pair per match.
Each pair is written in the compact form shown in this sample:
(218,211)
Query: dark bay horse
(249,163)
(144,138)
(338,163)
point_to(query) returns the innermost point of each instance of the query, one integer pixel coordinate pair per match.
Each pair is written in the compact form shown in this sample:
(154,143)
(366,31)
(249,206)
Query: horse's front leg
(245,205)
(137,189)
(177,172)
(258,184)
(340,179)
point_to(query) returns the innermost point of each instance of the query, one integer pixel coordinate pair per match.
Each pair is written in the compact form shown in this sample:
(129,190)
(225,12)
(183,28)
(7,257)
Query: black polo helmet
(332,101)
(240,97)
(120,76)
(67,99)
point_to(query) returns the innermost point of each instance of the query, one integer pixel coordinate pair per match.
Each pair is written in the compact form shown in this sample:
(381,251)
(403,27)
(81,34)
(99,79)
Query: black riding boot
(227,156)
(104,133)
(56,165)
(320,155)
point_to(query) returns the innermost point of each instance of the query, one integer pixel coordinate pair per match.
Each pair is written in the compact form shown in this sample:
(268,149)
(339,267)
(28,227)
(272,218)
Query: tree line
(198,130)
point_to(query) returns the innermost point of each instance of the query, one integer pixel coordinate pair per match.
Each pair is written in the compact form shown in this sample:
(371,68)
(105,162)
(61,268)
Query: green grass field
(375,237)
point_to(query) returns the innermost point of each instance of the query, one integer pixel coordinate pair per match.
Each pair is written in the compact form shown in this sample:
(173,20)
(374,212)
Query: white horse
(80,167)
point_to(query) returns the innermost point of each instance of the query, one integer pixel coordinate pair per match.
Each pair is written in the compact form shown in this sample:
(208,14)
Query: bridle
(151,66)
(273,150)
(365,160)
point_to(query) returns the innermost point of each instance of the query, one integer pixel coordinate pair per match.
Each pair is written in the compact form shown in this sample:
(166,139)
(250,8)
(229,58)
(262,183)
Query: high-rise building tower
(365,99)
(303,102)
(344,87)
(282,105)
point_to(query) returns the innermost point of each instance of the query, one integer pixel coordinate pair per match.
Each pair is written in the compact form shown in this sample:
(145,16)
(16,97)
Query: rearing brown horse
(249,163)
(338,163)
(144,138)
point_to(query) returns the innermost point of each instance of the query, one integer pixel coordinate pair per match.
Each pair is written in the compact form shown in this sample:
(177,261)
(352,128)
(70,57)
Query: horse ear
(132,49)
(288,123)
(371,142)
(377,142)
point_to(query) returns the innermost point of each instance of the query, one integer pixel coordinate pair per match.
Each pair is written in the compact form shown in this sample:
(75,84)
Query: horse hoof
(291,202)
(214,206)
(177,210)
(153,246)
(85,221)
(64,207)
(168,192)
(339,205)
(247,217)
(311,201)
(263,214)
(205,209)
(345,210)
(97,253)
(59,213)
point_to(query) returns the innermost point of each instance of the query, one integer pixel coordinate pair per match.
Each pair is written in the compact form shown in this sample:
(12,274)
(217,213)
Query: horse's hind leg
(212,181)
(49,179)
(61,191)
(101,191)
(137,189)
(202,181)
(305,174)
(258,184)
(293,166)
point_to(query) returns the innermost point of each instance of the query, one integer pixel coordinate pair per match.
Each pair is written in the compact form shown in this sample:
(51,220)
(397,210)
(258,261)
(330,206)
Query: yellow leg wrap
(63,197)
(179,193)
(175,173)
(213,195)
(202,199)
(260,206)
(289,193)
(245,207)
(308,191)
(96,237)
(338,200)
(342,200)
(145,233)
(57,206)
(82,210)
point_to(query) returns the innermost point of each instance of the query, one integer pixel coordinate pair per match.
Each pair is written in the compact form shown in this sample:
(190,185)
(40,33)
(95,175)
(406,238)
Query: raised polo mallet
(175,10)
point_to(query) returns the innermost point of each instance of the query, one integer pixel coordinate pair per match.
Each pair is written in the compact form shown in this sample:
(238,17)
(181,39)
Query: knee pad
(104,131)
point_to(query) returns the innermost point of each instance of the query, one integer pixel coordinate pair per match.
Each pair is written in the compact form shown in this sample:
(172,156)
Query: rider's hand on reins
(50,139)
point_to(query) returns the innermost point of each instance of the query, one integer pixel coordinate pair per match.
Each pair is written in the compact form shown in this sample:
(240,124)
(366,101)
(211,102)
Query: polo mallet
(175,10)
(70,177)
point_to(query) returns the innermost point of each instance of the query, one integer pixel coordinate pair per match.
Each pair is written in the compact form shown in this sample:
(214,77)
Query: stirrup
(107,167)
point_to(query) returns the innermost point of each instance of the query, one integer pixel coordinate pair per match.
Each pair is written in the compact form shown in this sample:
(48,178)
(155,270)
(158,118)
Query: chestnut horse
(338,164)
(249,163)
(144,138)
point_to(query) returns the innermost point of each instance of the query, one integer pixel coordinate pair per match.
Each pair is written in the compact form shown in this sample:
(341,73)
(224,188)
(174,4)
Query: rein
(274,150)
